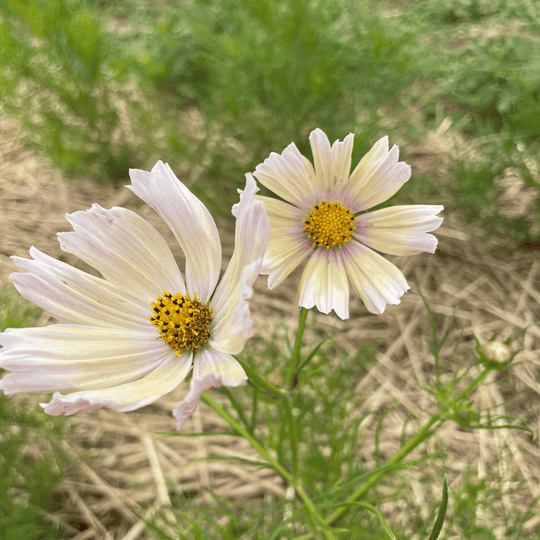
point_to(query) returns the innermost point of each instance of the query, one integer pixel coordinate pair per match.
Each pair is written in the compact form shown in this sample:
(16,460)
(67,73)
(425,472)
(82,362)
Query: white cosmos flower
(106,350)
(323,221)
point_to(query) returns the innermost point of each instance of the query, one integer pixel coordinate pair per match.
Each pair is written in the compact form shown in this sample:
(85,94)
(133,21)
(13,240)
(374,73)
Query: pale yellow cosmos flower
(132,336)
(323,220)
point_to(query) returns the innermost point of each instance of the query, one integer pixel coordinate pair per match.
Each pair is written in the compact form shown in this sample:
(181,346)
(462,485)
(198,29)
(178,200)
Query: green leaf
(378,513)
(439,522)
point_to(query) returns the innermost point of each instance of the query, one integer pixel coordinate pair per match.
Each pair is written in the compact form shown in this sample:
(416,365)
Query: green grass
(31,464)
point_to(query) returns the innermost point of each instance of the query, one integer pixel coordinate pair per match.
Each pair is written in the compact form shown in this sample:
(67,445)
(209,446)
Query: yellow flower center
(183,323)
(329,224)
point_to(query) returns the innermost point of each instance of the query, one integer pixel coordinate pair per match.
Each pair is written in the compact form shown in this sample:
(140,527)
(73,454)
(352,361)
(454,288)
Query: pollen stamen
(182,323)
(329,224)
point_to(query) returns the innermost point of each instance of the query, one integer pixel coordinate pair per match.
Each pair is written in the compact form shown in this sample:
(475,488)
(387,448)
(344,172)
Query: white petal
(378,176)
(288,245)
(211,369)
(252,234)
(289,175)
(322,157)
(324,283)
(75,357)
(376,280)
(341,161)
(284,254)
(232,320)
(400,230)
(189,220)
(72,295)
(126,249)
(171,371)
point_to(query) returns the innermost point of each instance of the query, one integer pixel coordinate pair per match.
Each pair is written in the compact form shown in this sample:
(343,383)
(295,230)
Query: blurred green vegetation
(31,461)
(100,87)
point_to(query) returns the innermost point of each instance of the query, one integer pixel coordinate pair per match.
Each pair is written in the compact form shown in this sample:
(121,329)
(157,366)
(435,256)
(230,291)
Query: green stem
(403,451)
(297,346)
(473,385)
(264,384)
(293,437)
(266,455)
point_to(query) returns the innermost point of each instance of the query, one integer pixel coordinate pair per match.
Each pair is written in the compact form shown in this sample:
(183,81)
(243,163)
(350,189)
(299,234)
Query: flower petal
(229,303)
(189,220)
(126,249)
(76,357)
(322,157)
(400,230)
(324,283)
(341,161)
(376,280)
(211,369)
(289,175)
(74,296)
(288,245)
(164,378)
(378,176)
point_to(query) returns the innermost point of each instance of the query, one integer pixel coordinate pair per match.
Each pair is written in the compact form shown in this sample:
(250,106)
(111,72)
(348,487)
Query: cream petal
(189,220)
(378,176)
(126,249)
(324,283)
(288,245)
(211,369)
(230,301)
(164,378)
(341,162)
(72,295)
(285,253)
(376,280)
(322,158)
(289,175)
(252,234)
(65,357)
(400,230)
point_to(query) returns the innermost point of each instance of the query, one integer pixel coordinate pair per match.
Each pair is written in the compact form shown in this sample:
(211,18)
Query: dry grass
(134,470)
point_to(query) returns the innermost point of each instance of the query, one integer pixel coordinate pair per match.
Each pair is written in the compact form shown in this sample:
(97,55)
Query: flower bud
(496,351)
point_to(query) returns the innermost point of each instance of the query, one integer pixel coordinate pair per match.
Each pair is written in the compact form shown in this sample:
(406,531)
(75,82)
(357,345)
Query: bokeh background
(89,89)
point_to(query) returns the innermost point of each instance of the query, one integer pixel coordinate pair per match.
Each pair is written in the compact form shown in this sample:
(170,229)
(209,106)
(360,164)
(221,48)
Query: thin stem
(293,437)
(297,346)
(274,463)
(264,384)
(473,385)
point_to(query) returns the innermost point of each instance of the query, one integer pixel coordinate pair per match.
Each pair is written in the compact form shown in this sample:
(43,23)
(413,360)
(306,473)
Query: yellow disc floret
(183,323)
(329,224)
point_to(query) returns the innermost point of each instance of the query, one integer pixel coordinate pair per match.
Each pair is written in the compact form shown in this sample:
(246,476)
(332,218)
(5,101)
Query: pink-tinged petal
(288,245)
(289,175)
(324,283)
(211,369)
(232,319)
(341,162)
(376,280)
(322,158)
(378,176)
(232,324)
(76,357)
(284,254)
(126,249)
(164,378)
(400,230)
(74,296)
(189,220)
(252,234)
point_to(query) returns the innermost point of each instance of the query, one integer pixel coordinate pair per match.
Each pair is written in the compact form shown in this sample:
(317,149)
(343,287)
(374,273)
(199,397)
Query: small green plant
(31,463)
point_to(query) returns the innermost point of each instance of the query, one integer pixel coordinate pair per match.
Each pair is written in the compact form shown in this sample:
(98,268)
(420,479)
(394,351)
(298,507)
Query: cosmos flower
(132,336)
(323,219)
